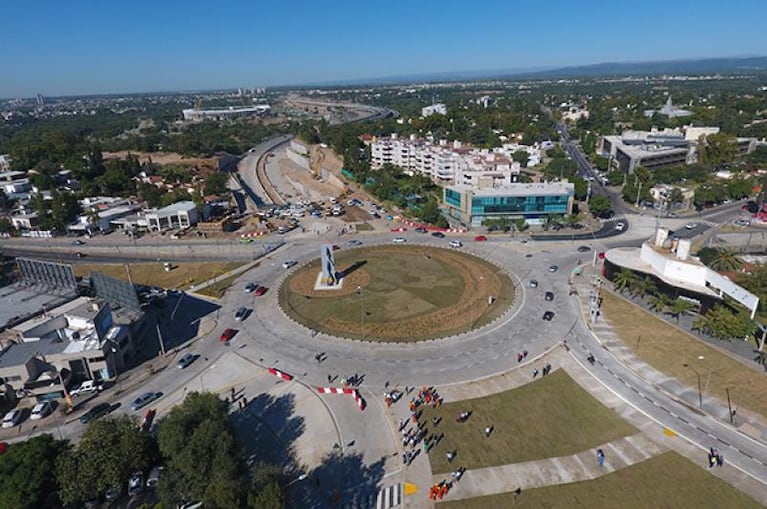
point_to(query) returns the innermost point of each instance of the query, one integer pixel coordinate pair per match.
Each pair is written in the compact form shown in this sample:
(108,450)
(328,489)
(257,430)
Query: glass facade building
(534,202)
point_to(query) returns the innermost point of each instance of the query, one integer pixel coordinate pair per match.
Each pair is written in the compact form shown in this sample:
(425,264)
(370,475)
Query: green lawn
(183,275)
(665,481)
(552,416)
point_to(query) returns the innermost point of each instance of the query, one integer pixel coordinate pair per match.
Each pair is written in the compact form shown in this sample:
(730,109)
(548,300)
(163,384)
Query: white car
(399,240)
(289,263)
(41,410)
(86,386)
(12,418)
(691,226)
(455,243)
(620,227)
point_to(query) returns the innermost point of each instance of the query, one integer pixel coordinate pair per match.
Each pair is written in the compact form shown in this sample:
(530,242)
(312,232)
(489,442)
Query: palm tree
(644,286)
(680,306)
(658,303)
(701,324)
(726,260)
(624,279)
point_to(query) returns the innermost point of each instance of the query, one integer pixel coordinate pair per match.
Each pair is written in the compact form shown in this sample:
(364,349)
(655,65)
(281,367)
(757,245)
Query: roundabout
(399,294)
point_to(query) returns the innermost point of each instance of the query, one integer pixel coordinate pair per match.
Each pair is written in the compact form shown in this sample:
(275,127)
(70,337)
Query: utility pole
(729,405)
(159,336)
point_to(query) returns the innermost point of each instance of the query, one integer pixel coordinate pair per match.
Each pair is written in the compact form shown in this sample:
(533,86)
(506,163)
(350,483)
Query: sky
(76,47)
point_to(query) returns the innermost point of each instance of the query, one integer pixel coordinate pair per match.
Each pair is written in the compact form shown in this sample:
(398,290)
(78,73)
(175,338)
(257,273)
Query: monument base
(319,284)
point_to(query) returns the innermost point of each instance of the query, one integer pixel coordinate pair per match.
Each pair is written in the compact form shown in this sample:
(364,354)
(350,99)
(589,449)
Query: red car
(227,335)
(480,238)
(260,291)
(401,229)
(336,247)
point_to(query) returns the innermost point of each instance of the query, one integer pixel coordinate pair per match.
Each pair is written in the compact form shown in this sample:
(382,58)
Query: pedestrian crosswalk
(615,219)
(389,497)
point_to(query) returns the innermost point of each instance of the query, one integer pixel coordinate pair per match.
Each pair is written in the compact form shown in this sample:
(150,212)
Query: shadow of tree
(341,480)
(268,430)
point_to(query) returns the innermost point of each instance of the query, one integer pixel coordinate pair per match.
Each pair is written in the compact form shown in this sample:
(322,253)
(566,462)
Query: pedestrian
(600,457)
(244,402)
(719,460)
(330,379)
(233,391)
(450,456)
(524,354)
(519,357)
(434,421)
(535,372)
(488,430)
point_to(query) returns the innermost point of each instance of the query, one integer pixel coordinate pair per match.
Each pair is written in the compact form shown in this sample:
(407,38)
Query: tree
(497,223)
(658,303)
(573,219)
(600,205)
(645,285)
(675,196)
(204,458)
(110,449)
(267,490)
(624,279)
(521,156)
(718,148)
(616,178)
(27,471)
(520,224)
(216,182)
(679,307)
(6,203)
(726,260)
(6,226)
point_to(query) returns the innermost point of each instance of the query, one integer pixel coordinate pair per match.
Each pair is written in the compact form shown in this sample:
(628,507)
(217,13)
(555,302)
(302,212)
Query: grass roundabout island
(399,294)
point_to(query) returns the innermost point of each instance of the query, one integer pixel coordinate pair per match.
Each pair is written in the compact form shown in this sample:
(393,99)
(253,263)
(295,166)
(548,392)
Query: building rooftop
(19,353)
(18,303)
(543,189)
(179,206)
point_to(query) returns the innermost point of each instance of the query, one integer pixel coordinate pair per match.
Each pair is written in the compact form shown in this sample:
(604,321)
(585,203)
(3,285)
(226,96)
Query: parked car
(480,238)
(261,290)
(584,249)
(41,410)
(12,418)
(250,287)
(97,411)
(227,335)
(239,315)
(439,235)
(553,268)
(144,400)
(289,263)
(549,296)
(399,240)
(135,484)
(88,386)
(113,493)
(78,242)
(533,283)
(354,242)
(455,243)
(421,229)
(548,315)
(154,477)
(186,360)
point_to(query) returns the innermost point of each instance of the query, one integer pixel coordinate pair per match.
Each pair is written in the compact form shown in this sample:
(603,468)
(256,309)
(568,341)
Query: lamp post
(700,392)
(202,376)
(362,310)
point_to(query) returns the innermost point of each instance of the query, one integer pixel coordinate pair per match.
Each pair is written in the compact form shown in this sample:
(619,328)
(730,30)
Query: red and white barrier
(253,234)
(433,228)
(277,372)
(345,390)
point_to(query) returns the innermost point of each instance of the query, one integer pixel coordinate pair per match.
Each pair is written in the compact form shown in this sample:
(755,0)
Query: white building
(668,110)
(197,114)
(182,214)
(5,162)
(449,163)
(437,108)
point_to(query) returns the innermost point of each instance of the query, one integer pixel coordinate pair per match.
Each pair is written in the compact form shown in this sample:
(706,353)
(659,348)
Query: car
(620,226)
(113,493)
(78,242)
(336,247)
(553,268)
(250,287)
(584,249)
(549,296)
(354,242)
(227,335)
(439,235)
(239,315)
(455,243)
(86,386)
(261,290)
(144,400)
(289,263)
(12,418)
(691,226)
(41,410)
(548,315)
(186,360)
(480,238)
(135,484)
(673,214)
(421,229)
(97,411)
(154,477)
(79,254)
(399,240)
(400,229)
(533,283)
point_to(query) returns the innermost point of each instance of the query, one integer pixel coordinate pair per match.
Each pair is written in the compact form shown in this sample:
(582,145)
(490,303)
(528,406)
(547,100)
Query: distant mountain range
(688,66)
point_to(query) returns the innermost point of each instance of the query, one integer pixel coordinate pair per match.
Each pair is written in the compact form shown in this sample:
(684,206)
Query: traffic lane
(747,454)
(607,230)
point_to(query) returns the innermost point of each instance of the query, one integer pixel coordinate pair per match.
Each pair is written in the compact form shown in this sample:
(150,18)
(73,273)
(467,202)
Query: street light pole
(700,392)
(362,310)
